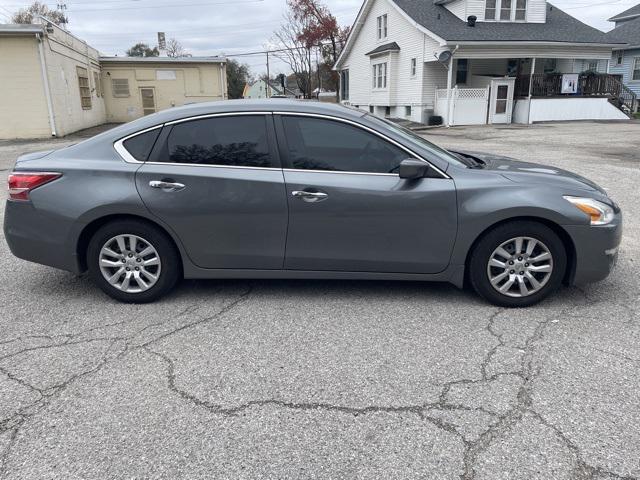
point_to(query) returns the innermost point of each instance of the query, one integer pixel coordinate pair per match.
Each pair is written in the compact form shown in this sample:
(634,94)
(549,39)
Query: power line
(142,7)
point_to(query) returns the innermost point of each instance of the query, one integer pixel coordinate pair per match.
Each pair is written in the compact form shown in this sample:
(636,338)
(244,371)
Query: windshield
(416,139)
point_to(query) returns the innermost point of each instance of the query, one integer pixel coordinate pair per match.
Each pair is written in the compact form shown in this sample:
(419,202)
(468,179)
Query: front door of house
(501,106)
(148,95)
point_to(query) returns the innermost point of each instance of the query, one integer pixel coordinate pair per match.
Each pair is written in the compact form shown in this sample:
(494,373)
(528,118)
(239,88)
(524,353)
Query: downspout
(47,89)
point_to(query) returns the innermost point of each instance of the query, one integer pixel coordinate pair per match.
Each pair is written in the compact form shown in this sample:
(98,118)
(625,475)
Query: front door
(350,211)
(501,106)
(148,95)
(218,184)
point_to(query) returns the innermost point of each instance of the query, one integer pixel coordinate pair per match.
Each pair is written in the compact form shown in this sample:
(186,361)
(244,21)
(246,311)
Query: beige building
(52,83)
(139,86)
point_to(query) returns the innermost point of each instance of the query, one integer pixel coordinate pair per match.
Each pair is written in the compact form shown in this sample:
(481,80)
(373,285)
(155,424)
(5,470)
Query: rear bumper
(596,250)
(37,237)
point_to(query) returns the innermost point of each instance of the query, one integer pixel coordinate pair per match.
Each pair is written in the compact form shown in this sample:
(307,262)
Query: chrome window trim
(127,157)
(123,152)
(368,129)
(293,170)
(222,114)
(235,167)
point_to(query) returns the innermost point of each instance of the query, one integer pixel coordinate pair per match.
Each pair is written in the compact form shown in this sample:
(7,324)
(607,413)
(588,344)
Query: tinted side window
(235,141)
(140,146)
(318,144)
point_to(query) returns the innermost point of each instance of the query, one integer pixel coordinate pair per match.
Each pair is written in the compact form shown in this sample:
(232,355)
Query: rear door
(349,209)
(217,182)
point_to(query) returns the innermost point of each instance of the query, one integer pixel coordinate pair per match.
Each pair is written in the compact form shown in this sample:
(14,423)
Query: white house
(476,61)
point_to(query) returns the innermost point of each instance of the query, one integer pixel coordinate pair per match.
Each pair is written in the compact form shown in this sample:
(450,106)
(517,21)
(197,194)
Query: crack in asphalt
(500,426)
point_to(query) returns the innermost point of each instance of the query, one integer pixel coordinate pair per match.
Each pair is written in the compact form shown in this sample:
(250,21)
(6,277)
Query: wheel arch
(566,239)
(92,227)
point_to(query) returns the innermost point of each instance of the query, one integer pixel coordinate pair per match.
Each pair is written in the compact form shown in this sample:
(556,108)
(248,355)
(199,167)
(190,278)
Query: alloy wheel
(520,267)
(130,263)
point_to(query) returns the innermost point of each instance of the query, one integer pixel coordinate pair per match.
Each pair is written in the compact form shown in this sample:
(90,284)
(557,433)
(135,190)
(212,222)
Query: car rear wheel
(133,262)
(518,264)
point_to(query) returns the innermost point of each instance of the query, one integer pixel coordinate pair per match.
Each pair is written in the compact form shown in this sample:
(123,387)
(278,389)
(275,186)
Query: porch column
(533,71)
(450,91)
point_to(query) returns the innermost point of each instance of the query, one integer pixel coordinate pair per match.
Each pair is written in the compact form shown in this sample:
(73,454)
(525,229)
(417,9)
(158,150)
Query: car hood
(526,172)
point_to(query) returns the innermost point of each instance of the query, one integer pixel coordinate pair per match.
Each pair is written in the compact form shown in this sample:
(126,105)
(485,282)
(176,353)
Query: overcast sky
(212,27)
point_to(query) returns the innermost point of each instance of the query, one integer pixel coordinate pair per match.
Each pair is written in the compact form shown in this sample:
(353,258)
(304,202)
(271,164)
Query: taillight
(21,183)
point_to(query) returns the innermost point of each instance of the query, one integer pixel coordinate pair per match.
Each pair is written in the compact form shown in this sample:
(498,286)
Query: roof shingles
(559,27)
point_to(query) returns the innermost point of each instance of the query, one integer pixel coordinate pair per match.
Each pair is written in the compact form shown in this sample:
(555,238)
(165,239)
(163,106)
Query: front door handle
(167,186)
(310,196)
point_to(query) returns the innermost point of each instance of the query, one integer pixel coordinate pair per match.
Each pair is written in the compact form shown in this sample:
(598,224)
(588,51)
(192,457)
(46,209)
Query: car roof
(232,106)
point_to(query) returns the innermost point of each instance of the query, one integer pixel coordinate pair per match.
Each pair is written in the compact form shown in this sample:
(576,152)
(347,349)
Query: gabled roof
(559,27)
(388,47)
(628,32)
(627,14)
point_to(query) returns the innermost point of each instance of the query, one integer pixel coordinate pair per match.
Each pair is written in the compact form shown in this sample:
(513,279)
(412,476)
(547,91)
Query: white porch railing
(469,106)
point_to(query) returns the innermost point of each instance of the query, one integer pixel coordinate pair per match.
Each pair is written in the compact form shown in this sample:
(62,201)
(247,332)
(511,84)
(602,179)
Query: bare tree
(36,9)
(175,49)
(295,51)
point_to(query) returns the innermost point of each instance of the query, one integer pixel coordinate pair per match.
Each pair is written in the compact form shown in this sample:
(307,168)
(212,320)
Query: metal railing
(589,84)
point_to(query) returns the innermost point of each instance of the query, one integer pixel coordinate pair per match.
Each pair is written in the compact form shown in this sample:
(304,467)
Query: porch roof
(389,47)
(629,13)
(559,27)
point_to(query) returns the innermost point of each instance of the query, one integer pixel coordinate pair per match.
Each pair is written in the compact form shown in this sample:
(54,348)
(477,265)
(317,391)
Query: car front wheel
(518,264)
(133,262)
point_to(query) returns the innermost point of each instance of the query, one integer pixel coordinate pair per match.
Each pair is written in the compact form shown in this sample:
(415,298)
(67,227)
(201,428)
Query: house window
(490,10)
(85,88)
(407,111)
(120,87)
(414,66)
(371,109)
(593,66)
(462,71)
(387,112)
(380,75)
(382,27)
(619,56)
(344,84)
(521,9)
(98,85)
(636,69)
(505,10)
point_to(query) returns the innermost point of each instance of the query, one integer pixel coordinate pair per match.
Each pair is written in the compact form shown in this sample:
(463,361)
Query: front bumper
(596,249)
(39,237)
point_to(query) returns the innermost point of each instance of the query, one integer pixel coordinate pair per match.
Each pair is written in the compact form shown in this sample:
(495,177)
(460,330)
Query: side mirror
(412,169)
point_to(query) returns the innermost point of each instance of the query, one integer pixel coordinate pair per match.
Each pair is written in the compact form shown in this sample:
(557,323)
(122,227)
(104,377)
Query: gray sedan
(284,189)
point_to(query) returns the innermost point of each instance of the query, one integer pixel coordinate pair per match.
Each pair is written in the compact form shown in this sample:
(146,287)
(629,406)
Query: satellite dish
(445,56)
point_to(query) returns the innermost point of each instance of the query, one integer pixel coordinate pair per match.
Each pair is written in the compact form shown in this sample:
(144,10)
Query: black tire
(171,267)
(490,241)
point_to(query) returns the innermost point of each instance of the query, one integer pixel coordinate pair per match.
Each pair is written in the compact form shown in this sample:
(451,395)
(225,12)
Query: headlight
(600,213)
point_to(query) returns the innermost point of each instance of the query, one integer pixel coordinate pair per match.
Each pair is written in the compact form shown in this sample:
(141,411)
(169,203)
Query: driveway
(317,379)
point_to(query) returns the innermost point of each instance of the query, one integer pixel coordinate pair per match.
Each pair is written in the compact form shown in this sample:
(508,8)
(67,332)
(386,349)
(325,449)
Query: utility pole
(268,78)
(318,72)
(63,7)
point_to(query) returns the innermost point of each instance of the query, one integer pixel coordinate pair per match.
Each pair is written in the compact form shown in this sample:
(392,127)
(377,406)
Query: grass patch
(636,116)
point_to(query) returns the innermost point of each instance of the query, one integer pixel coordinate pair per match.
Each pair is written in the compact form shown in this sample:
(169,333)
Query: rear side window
(140,146)
(240,141)
(318,144)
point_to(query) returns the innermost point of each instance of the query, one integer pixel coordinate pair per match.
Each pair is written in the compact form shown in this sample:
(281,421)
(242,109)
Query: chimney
(471,20)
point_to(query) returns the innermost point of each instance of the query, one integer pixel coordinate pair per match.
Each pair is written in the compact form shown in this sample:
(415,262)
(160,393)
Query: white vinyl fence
(469,105)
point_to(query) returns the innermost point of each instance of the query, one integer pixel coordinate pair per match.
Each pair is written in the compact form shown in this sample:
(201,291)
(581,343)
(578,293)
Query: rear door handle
(310,196)
(167,186)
